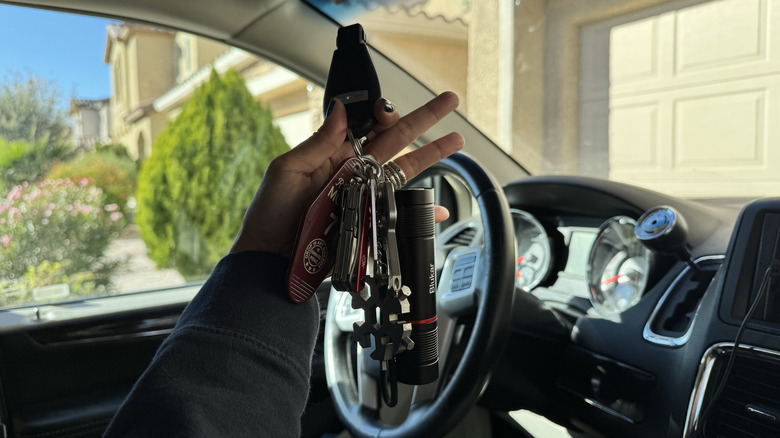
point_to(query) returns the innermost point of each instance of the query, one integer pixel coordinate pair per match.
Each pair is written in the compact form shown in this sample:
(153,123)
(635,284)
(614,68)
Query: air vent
(464,237)
(749,405)
(672,320)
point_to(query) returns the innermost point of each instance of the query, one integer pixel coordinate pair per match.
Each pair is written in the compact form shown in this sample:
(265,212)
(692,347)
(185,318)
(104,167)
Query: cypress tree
(204,169)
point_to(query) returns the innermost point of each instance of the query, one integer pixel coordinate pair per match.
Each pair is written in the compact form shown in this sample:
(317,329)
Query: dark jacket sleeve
(237,363)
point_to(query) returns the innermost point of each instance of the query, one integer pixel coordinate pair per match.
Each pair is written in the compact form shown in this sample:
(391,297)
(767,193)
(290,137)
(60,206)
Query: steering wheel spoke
(456,293)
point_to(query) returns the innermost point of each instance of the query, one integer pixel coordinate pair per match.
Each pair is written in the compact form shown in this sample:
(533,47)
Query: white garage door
(694,97)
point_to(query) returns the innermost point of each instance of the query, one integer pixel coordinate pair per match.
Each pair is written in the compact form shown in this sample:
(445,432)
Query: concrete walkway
(138,272)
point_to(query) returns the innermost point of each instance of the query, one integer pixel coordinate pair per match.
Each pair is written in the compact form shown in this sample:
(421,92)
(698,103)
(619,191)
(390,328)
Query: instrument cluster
(607,264)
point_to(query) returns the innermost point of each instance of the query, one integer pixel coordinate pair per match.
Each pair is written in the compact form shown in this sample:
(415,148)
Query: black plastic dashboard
(653,369)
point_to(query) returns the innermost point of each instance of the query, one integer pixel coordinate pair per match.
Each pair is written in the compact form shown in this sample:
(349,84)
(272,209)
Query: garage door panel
(635,47)
(699,134)
(635,129)
(721,130)
(694,99)
(721,33)
(707,43)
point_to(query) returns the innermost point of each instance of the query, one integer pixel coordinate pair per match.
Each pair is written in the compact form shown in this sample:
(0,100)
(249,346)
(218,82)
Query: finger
(440,214)
(327,141)
(387,116)
(409,127)
(420,159)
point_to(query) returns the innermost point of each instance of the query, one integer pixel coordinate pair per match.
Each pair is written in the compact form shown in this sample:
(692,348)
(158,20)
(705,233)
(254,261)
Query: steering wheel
(433,414)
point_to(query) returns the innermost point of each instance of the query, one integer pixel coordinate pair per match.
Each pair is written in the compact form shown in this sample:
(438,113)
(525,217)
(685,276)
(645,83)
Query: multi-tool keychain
(376,237)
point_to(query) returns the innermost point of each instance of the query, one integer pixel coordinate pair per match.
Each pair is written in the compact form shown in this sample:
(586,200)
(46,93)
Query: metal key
(391,244)
(388,269)
(352,248)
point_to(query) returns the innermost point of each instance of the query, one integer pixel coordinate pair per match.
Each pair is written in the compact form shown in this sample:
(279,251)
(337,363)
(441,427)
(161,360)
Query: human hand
(293,179)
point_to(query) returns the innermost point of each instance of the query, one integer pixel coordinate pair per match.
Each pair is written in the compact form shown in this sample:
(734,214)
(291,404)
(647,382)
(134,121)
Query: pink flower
(111,207)
(6,239)
(83,182)
(15,193)
(116,216)
(35,193)
(81,208)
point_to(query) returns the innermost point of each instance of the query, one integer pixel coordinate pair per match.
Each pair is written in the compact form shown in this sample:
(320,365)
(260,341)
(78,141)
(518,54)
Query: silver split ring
(394,174)
(356,145)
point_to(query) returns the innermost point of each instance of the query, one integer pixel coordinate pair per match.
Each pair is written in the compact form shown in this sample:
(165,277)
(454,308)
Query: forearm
(238,362)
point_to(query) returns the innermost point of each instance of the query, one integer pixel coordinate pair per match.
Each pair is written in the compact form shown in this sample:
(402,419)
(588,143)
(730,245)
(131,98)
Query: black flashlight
(414,233)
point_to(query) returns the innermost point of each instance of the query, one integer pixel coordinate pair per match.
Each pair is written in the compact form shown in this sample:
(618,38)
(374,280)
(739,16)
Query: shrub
(204,169)
(57,224)
(113,173)
(22,161)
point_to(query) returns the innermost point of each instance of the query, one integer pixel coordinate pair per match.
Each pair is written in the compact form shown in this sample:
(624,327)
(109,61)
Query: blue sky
(67,49)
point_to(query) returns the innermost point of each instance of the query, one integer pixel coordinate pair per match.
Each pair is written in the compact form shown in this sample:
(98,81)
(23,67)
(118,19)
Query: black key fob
(352,79)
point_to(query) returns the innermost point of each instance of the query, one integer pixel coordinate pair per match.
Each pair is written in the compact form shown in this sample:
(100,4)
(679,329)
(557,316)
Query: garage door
(693,98)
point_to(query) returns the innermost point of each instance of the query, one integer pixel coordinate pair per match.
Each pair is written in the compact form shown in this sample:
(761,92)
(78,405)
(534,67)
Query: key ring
(395,174)
(356,145)
(367,160)
(370,162)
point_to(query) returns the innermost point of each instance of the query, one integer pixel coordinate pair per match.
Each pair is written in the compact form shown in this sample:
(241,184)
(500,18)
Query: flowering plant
(61,222)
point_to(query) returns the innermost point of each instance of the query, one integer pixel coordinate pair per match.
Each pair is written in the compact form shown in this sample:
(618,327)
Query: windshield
(678,97)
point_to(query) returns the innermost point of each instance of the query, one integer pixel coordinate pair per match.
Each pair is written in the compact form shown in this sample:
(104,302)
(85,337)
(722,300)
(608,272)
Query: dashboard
(631,335)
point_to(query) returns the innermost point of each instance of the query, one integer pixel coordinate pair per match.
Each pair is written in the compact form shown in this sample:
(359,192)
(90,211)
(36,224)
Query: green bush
(113,173)
(57,229)
(205,166)
(22,161)
(117,150)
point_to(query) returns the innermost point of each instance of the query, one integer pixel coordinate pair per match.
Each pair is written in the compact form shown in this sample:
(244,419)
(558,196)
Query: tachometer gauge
(533,253)
(618,267)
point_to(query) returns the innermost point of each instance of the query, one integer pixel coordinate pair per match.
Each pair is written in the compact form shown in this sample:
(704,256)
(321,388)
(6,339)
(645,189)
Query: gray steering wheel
(435,409)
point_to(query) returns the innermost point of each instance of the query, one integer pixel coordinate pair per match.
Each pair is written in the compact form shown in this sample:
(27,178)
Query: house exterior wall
(147,64)
(142,67)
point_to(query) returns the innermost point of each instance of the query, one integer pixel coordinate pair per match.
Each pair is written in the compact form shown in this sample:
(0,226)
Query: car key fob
(352,79)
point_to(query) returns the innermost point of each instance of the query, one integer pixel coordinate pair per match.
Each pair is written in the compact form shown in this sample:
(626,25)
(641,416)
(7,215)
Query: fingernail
(389,107)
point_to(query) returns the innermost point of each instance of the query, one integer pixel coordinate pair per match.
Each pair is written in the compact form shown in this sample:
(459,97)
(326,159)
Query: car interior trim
(132,329)
(607,410)
(669,341)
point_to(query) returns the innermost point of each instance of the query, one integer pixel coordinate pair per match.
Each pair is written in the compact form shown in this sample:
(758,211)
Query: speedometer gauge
(533,253)
(618,267)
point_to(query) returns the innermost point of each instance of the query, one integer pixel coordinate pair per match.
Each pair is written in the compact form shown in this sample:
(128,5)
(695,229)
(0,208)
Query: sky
(63,48)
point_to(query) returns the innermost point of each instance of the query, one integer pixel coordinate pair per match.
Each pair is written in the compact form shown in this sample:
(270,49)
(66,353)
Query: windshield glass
(676,96)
